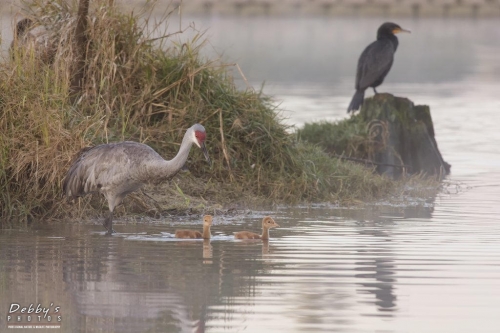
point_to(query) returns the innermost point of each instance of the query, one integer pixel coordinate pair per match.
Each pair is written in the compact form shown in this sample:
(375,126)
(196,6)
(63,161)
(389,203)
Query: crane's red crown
(200,136)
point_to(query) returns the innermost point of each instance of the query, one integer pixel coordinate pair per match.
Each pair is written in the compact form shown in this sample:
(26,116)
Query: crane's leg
(375,90)
(108,223)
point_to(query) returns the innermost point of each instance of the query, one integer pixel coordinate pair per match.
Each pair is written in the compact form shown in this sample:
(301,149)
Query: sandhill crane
(117,169)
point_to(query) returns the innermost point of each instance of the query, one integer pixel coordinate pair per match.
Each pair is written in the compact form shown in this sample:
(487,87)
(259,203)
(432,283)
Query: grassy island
(140,88)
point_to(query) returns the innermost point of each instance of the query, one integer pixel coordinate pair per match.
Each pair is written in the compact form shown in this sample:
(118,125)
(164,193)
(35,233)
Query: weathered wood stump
(404,135)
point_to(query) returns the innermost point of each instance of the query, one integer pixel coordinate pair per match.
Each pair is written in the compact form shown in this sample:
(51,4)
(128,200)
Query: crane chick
(207,222)
(117,169)
(267,223)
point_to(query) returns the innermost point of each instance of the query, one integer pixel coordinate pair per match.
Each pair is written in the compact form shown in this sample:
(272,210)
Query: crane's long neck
(265,233)
(166,169)
(206,232)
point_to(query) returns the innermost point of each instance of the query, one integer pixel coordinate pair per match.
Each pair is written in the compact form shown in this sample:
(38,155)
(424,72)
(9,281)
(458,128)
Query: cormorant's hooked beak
(398,30)
(205,152)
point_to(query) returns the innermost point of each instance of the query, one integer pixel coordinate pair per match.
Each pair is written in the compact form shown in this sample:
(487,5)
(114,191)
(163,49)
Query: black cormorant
(375,62)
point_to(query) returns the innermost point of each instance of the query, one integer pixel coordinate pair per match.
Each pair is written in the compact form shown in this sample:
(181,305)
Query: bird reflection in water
(207,252)
(378,265)
(265,247)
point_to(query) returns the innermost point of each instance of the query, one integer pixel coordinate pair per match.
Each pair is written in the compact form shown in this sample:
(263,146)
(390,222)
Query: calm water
(429,267)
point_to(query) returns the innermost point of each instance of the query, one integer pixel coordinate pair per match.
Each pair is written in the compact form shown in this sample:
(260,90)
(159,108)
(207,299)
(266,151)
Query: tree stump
(403,134)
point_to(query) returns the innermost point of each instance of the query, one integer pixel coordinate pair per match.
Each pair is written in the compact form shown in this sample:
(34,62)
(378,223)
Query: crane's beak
(205,152)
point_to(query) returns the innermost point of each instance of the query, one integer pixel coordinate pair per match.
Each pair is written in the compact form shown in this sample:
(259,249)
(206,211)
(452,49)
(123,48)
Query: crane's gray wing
(106,167)
(374,64)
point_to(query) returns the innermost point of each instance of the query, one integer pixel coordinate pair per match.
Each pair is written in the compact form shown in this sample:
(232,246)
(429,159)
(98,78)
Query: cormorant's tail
(356,101)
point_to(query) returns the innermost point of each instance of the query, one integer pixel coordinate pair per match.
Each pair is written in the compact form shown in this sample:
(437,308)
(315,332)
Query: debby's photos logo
(34,316)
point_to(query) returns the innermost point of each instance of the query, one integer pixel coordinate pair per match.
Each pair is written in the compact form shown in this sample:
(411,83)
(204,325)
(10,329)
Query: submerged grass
(143,88)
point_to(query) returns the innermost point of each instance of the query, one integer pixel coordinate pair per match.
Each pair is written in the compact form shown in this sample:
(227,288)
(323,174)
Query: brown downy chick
(267,223)
(207,222)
